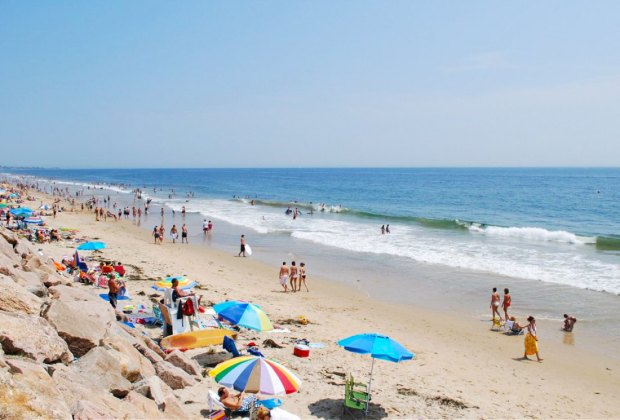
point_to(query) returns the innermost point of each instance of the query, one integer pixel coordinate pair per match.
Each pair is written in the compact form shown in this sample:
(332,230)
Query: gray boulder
(32,337)
(82,324)
(15,298)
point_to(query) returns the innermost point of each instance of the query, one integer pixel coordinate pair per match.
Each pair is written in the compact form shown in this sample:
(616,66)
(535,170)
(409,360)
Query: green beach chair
(356,397)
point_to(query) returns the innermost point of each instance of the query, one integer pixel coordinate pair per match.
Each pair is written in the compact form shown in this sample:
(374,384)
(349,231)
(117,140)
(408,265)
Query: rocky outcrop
(180,360)
(173,376)
(82,324)
(32,337)
(45,320)
(15,298)
(37,391)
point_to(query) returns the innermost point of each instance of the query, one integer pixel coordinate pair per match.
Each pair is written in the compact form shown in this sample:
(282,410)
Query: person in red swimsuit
(506,303)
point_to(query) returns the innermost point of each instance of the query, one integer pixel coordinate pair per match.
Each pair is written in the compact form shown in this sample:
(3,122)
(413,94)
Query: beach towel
(230,346)
(531,345)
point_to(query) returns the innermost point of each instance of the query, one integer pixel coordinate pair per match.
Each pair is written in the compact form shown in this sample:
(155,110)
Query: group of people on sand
(531,337)
(293,275)
(158,234)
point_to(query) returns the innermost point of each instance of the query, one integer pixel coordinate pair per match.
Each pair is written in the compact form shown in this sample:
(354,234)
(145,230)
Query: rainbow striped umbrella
(255,374)
(184,284)
(244,314)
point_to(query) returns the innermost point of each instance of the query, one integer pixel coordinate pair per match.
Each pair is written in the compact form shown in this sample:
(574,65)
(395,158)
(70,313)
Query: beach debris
(272,344)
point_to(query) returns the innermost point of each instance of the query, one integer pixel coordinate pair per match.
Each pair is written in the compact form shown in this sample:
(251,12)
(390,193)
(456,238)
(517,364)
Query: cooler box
(301,350)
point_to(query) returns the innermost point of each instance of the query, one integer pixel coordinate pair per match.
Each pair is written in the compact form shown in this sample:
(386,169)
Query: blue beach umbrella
(379,347)
(244,314)
(91,246)
(21,211)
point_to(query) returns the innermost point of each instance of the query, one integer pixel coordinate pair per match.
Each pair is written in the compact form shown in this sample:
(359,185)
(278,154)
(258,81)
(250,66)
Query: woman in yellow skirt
(531,339)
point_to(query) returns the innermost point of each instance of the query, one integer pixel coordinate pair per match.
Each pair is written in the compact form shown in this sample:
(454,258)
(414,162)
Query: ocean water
(555,225)
(551,235)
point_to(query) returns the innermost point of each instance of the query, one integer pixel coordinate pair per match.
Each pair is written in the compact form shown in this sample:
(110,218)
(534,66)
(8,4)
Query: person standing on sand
(283,276)
(156,234)
(293,277)
(531,339)
(242,246)
(302,276)
(174,233)
(506,303)
(161,233)
(184,234)
(495,304)
(205,226)
(113,289)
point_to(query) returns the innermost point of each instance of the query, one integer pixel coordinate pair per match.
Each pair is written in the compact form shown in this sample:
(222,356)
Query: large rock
(32,337)
(86,398)
(34,263)
(180,360)
(7,264)
(104,365)
(22,249)
(31,282)
(88,410)
(82,324)
(39,396)
(144,340)
(134,366)
(2,360)
(173,376)
(54,279)
(15,298)
(145,406)
(162,395)
(68,293)
(151,355)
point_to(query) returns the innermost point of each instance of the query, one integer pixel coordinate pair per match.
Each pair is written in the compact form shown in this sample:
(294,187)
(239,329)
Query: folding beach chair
(356,397)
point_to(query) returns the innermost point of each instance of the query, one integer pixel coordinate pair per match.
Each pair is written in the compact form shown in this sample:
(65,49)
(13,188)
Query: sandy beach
(461,368)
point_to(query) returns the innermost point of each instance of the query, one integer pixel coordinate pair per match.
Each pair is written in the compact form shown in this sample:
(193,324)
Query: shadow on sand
(332,409)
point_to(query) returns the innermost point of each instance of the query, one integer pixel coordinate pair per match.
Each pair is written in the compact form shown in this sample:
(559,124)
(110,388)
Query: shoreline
(457,360)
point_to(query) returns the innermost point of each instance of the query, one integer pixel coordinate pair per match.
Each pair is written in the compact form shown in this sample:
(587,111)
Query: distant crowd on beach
(512,326)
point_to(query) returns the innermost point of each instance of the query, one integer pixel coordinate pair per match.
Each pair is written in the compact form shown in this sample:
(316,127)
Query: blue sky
(309,83)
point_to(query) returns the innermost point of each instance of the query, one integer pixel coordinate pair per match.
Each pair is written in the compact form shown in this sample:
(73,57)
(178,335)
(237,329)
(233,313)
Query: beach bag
(188,308)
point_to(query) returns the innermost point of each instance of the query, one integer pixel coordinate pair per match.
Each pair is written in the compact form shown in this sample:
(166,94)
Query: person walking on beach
(293,277)
(387,228)
(495,304)
(242,246)
(531,339)
(383,229)
(161,233)
(174,233)
(156,234)
(184,234)
(506,303)
(302,276)
(283,276)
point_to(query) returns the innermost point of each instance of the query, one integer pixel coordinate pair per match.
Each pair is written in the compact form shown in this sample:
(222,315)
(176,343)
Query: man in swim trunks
(283,276)
(184,234)
(293,278)
(239,402)
(506,303)
(495,304)
(242,246)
